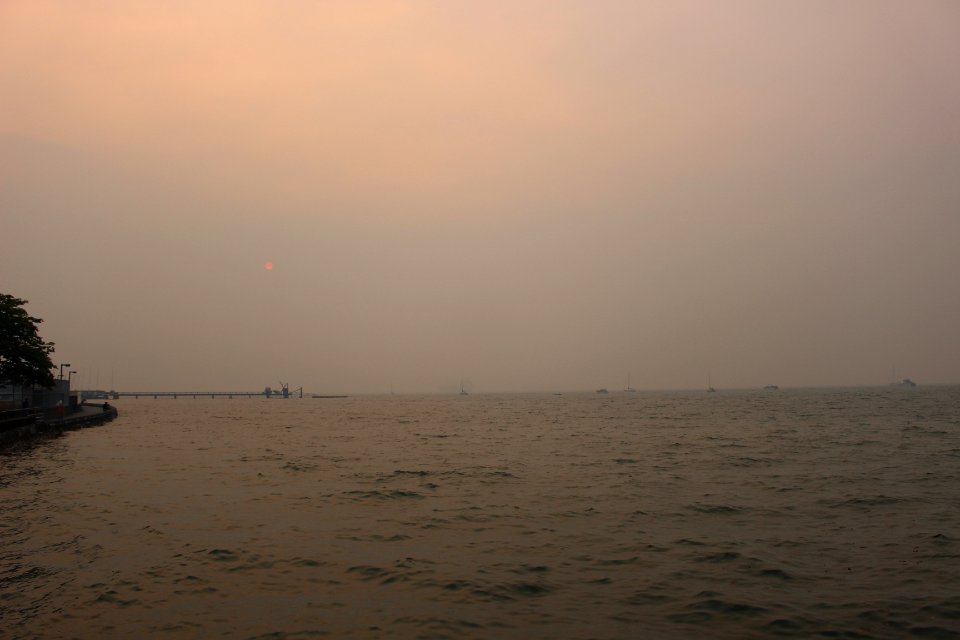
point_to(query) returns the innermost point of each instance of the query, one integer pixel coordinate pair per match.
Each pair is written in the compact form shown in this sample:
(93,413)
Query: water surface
(792,513)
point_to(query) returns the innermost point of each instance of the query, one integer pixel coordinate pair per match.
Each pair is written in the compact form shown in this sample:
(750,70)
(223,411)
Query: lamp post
(61,369)
(70,376)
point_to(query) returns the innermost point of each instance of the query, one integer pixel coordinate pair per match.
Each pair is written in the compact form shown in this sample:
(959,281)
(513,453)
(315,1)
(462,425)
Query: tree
(24,356)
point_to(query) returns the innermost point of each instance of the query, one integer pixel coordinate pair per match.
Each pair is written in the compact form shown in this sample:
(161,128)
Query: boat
(602,391)
(906,382)
(463,391)
(772,387)
(628,388)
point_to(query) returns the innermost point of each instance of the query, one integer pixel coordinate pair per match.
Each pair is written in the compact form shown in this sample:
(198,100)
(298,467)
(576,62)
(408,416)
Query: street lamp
(70,376)
(61,369)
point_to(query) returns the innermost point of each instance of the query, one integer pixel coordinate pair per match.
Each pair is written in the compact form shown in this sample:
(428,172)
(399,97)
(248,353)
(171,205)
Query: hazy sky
(532,195)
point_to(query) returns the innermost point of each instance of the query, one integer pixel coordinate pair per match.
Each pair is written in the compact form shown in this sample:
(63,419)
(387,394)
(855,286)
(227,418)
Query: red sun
(268,266)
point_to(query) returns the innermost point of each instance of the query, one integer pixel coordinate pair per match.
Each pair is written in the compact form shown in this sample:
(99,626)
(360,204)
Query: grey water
(752,514)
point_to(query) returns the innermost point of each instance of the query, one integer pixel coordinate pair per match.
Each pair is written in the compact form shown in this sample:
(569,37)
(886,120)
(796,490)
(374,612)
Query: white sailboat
(463,391)
(628,388)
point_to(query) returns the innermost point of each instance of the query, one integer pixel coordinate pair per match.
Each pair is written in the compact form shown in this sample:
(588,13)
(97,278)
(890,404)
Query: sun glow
(268,266)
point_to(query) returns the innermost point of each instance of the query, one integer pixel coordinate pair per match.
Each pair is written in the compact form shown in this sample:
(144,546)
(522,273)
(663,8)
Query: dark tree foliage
(24,356)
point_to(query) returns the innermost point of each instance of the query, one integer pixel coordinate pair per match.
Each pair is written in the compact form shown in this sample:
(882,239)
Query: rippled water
(729,515)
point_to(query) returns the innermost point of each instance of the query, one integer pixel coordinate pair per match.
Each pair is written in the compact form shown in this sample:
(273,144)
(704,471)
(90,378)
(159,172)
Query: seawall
(21,426)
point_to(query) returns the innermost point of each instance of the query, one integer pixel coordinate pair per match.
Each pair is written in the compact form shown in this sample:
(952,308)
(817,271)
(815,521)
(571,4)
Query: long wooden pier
(195,394)
(283,392)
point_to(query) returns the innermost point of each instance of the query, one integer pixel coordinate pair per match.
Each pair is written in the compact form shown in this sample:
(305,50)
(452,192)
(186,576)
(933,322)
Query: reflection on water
(737,515)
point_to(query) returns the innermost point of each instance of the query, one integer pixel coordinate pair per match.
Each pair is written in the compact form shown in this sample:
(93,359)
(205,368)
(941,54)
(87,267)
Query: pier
(191,394)
(283,392)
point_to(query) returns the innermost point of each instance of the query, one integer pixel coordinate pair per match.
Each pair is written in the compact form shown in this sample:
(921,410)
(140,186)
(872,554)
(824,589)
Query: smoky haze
(530,196)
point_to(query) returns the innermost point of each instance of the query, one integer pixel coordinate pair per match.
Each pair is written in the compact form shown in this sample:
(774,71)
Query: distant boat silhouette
(462,390)
(710,388)
(628,388)
(897,382)
(906,382)
(602,391)
(772,387)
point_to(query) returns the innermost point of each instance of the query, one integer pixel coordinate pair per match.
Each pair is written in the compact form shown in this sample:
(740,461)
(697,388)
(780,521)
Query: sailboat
(628,388)
(710,388)
(463,391)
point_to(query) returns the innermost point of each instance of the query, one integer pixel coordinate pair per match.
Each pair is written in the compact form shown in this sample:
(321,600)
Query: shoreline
(29,427)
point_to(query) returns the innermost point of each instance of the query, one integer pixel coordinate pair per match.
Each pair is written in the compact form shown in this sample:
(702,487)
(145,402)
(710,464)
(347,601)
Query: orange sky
(627,150)
(416,105)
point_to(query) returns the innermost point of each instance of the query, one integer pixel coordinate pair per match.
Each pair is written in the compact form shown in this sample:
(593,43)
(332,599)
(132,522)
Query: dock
(283,392)
(116,395)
